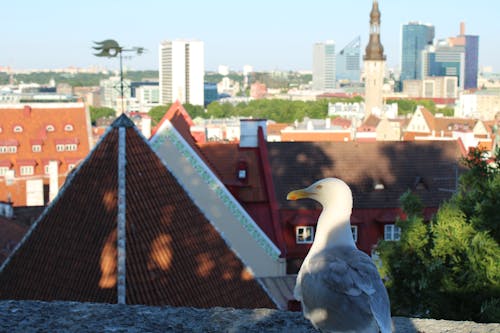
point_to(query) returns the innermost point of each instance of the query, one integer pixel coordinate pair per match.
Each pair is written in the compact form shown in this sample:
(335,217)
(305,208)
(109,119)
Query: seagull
(338,285)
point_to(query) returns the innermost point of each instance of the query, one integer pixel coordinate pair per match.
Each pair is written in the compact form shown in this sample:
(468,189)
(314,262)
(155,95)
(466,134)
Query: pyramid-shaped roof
(124,230)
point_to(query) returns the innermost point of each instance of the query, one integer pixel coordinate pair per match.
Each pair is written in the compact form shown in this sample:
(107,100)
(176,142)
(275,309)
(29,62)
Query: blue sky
(269,35)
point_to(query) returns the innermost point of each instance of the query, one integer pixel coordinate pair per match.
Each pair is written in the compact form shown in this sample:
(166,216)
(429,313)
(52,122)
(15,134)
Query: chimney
(53,179)
(146,127)
(27,110)
(462,28)
(249,129)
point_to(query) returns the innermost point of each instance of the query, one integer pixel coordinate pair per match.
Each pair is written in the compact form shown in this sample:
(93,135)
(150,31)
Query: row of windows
(67,147)
(48,128)
(8,149)
(38,148)
(305,235)
(28,170)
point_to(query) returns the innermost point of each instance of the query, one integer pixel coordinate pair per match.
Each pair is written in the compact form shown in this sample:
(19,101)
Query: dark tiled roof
(10,234)
(174,255)
(426,167)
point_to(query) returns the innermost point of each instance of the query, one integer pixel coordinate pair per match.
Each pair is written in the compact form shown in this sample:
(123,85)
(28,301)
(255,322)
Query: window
(70,147)
(68,128)
(3,171)
(304,235)
(3,149)
(36,148)
(27,170)
(59,147)
(18,129)
(46,169)
(50,128)
(354,230)
(12,149)
(391,232)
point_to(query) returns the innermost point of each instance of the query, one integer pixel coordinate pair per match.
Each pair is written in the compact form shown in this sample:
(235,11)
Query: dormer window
(242,171)
(420,183)
(18,129)
(378,185)
(68,128)
(50,128)
(3,170)
(36,148)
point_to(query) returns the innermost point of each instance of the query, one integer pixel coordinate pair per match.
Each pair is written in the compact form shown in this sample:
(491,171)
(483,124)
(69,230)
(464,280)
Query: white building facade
(182,71)
(324,66)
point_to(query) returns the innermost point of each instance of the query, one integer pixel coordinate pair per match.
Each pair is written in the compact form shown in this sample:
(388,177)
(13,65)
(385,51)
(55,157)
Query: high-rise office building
(444,59)
(374,65)
(182,71)
(348,62)
(415,37)
(471,61)
(454,56)
(470,43)
(324,65)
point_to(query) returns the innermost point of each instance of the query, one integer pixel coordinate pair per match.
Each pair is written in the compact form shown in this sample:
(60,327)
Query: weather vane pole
(111,49)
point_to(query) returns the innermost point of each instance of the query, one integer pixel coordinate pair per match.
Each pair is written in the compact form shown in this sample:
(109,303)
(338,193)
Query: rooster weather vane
(110,48)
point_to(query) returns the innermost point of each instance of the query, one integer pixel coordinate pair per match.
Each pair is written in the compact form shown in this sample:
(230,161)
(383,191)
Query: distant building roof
(396,165)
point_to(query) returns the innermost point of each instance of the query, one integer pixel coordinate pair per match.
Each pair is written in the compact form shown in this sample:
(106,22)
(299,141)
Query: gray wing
(345,283)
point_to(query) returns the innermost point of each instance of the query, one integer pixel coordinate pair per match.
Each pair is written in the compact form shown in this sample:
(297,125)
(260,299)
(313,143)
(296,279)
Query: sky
(266,34)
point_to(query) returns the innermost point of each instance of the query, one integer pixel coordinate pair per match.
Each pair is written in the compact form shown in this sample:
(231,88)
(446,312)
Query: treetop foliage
(449,267)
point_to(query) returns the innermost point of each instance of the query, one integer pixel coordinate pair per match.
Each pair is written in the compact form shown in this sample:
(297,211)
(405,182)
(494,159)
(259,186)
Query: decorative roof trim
(169,133)
(121,217)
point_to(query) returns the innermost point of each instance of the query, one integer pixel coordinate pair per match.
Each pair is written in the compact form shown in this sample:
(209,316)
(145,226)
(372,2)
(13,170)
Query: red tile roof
(45,125)
(174,255)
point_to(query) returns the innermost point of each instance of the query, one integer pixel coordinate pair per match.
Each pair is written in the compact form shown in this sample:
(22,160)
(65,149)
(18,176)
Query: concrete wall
(32,316)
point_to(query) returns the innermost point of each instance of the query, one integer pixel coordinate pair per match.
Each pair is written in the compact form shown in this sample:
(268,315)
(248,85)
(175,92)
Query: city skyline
(276,35)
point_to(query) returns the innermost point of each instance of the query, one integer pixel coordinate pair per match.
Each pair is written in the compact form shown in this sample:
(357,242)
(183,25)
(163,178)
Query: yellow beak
(298,194)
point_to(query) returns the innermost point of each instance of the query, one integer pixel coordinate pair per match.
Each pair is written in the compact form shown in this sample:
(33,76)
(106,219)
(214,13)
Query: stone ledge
(35,316)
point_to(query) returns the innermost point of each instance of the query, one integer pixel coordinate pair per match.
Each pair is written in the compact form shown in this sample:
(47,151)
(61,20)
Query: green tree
(194,110)
(449,268)
(100,112)
(157,112)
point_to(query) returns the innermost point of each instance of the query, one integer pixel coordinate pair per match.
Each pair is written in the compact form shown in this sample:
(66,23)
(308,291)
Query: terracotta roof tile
(34,121)
(174,255)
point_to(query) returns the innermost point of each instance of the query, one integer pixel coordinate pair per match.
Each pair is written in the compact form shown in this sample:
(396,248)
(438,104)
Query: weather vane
(111,49)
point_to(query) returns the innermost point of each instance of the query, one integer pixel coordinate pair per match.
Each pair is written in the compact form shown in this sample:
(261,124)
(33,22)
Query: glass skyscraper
(471,61)
(415,38)
(348,61)
(444,59)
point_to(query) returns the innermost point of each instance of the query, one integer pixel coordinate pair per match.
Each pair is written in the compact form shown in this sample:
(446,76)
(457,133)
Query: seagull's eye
(319,187)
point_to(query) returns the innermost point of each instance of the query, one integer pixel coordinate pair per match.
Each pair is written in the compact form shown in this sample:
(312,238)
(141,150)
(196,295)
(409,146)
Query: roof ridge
(122,121)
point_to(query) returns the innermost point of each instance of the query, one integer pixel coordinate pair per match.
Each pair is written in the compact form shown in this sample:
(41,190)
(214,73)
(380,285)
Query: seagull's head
(329,192)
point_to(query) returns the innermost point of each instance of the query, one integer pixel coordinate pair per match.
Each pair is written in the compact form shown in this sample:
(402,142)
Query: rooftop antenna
(111,49)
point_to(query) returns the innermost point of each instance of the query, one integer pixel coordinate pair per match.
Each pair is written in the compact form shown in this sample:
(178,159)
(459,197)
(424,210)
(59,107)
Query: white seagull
(338,285)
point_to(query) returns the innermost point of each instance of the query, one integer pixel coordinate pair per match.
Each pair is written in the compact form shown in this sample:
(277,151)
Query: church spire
(374,50)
